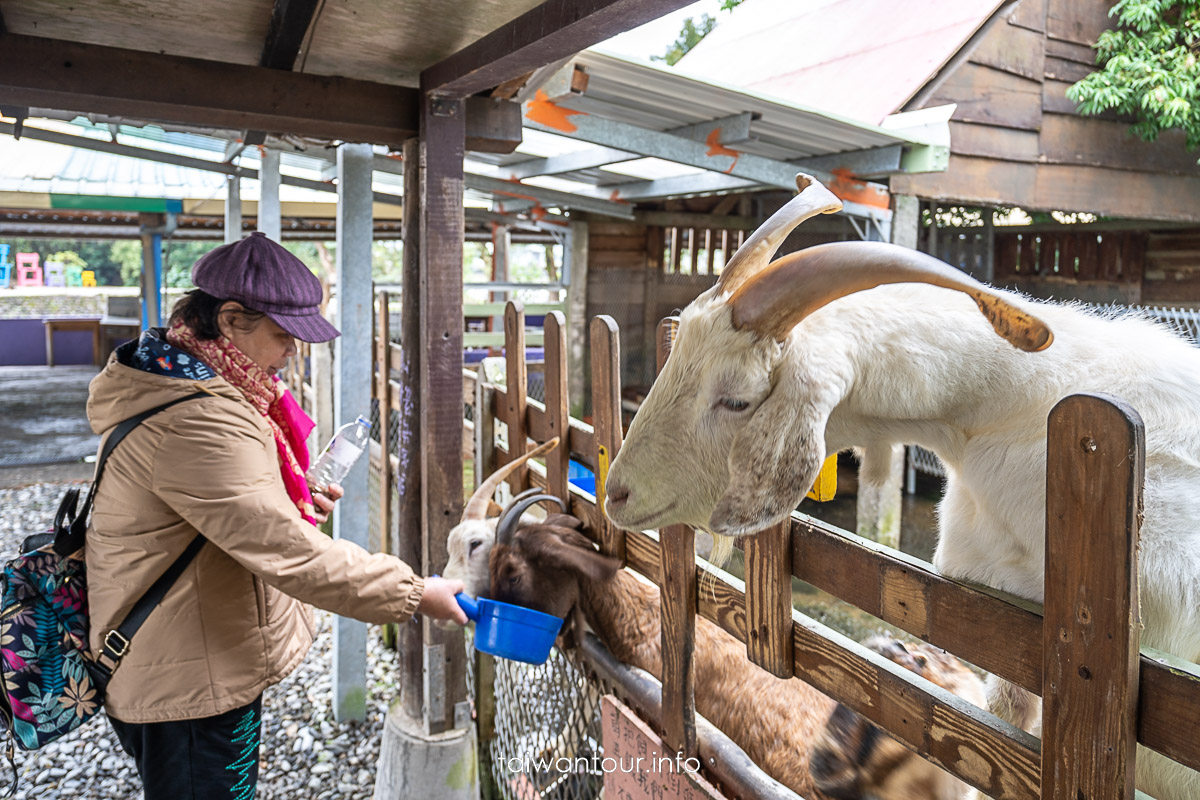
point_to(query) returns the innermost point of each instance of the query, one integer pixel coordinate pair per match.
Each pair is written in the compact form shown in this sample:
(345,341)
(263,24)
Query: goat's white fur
(917,364)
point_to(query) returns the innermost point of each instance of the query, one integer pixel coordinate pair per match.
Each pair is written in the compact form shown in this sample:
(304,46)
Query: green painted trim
(496,339)
(497,309)
(925,158)
(93,202)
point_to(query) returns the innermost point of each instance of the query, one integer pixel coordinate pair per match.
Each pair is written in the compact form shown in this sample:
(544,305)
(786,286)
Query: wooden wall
(1017,140)
(1102,266)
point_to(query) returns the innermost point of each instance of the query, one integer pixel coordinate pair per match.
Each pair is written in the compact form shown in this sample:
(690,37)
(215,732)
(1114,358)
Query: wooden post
(353,397)
(558,421)
(408,444)
(441,342)
(653,274)
(517,385)
(769,599)
(1096,452)
(485,665)
(383,394)
(678,599)
(606,410)
(577,314)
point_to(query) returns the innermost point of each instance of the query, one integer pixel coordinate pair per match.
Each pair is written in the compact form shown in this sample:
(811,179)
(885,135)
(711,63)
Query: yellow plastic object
(601,476)
(88,277)
(826,484)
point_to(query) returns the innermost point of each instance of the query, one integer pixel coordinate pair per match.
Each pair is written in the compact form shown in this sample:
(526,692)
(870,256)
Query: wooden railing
(1101,695)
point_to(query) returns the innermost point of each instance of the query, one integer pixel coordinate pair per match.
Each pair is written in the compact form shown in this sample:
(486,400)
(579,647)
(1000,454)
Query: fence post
(606,409)
(678,600)
(383,393)
(485,665)
(769,599)
(517,384)
(558,421)
(1096,453)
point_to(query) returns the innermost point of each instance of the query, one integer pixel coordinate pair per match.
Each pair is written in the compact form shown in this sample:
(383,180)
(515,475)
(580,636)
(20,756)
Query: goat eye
(473,545)
(733,404)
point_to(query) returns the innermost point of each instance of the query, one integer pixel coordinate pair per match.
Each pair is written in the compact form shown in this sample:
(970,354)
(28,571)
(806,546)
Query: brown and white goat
(552,567)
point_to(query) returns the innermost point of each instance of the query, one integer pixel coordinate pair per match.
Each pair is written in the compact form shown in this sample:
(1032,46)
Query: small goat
(552,567)
(779,364)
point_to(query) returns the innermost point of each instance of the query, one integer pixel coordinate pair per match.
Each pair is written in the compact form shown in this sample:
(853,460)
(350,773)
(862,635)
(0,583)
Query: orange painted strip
(545,111)
(852,190)
(715,148)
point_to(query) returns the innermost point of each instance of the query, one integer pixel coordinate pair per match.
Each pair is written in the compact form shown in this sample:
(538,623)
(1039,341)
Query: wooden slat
(991,96)
(678,599)
(1012,49)
(991,141)
(1096,452)
(517,384)
(769,599)
(606,409)
(383,391)
(557,414)
(1030,14)
(1070,139)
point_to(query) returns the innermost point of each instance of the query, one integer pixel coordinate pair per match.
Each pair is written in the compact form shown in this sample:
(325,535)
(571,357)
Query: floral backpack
(50,682)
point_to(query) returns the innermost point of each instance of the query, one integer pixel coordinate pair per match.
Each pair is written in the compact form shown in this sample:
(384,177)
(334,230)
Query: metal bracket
(462,714)
(441,106)
(435,683)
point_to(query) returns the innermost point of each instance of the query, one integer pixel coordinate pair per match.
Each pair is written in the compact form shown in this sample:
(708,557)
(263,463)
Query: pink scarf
(270,398)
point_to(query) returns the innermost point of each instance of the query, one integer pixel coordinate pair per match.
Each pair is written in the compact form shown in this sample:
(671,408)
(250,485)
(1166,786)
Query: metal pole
(233,209)
(352,397)
(270,220)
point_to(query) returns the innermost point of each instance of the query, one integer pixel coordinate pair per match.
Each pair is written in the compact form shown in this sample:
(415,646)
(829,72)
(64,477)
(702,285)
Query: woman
(185,700)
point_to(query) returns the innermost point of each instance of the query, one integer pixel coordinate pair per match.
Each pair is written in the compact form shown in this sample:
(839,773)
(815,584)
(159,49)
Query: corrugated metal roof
(659,98)
(860,58)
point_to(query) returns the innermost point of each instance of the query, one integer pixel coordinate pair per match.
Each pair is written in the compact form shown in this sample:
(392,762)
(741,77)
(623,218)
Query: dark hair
(200,311)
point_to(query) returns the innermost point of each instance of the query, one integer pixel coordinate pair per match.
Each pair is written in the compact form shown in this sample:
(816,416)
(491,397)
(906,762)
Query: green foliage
(730,5)
(689,37)
(1151,68)
(68,258)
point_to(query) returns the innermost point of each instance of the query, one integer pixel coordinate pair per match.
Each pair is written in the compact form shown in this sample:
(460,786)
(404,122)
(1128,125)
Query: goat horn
(796,285)
(755,253)
(477,506)
(512,515)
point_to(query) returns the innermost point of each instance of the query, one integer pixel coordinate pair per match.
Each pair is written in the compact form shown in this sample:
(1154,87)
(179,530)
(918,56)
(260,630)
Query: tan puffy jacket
(236,621)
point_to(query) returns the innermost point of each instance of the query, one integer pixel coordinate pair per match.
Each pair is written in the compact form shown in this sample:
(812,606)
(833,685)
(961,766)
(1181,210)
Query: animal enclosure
(1080,652)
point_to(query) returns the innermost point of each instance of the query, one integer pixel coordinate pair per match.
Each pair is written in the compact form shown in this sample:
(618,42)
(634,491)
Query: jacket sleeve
(221,476)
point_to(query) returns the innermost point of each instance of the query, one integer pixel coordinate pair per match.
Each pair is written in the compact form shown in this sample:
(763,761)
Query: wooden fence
(1080,653)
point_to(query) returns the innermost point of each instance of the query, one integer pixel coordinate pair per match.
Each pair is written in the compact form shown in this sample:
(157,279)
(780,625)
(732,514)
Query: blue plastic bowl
(509,631)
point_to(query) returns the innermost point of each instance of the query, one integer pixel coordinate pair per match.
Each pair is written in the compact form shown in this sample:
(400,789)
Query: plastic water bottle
(339,455)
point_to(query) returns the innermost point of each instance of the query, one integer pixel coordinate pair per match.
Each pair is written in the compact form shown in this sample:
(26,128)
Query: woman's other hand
(323,502)
(438,601)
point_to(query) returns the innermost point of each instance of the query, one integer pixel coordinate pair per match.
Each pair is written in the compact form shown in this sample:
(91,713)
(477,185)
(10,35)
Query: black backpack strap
(69,539)
(116,642)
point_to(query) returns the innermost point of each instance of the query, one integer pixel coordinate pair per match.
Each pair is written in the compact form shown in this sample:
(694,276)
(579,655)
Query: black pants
(197,759)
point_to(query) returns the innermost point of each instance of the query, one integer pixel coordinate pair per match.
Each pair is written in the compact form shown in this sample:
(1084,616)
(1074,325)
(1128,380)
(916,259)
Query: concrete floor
(44,433)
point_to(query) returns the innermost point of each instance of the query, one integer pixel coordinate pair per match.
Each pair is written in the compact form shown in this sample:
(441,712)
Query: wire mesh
(547,742)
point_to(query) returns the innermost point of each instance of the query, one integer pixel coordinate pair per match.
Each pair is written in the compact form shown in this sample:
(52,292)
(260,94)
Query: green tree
(689,37)
(1150,68)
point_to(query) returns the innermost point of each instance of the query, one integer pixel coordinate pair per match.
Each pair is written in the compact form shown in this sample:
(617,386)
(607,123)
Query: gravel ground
(305,753)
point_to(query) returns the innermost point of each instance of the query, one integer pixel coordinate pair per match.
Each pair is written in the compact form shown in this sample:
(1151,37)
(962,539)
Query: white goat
(787,727)
(778,365)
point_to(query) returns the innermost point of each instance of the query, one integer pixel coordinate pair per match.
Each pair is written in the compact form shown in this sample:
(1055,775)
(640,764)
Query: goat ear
(775,457)
(568,549)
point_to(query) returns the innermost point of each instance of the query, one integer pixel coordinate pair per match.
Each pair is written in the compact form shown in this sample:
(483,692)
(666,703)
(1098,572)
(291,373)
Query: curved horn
(755,253)
(796,285)
(512,515)
(477,506)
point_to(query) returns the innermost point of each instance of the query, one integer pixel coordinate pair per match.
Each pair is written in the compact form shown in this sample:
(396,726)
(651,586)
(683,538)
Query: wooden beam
(285,33)
(71,76)
(553,30)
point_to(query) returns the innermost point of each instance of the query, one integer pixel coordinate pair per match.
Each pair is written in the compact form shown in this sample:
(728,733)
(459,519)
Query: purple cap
(263,276)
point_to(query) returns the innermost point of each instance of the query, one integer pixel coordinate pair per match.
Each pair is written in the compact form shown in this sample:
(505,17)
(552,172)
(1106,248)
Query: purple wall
(23,344)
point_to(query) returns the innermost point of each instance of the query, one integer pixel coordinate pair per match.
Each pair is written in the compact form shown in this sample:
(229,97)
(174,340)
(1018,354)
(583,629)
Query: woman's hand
(323,502)
(438,601)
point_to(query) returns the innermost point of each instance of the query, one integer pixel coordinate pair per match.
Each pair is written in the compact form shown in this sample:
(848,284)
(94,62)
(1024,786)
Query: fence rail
(1087,737)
